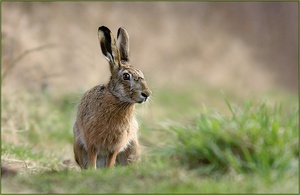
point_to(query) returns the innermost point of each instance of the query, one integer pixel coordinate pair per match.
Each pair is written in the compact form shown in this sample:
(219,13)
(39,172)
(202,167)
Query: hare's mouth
(140,101)
(143,97)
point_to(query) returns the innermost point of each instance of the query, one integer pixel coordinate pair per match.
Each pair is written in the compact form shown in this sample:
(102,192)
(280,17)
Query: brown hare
(106,131)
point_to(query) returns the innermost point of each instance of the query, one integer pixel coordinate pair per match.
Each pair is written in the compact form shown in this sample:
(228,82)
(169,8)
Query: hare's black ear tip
(103,28)
(119,31)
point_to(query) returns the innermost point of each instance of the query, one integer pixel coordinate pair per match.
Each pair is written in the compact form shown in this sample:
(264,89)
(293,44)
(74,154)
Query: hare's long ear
(109,48)
(123,45)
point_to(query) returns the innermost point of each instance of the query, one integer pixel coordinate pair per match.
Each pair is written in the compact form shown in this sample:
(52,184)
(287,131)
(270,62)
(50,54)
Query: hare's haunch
(106,131)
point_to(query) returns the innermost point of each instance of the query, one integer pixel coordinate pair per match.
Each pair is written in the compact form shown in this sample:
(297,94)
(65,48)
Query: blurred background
(243,47)
(193,55)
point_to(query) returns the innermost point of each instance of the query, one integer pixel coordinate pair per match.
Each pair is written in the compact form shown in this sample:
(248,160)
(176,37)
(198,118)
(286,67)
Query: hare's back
(91,103)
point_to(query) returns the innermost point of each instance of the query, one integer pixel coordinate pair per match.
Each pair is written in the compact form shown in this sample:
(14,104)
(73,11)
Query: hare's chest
(117,136)
(131,134)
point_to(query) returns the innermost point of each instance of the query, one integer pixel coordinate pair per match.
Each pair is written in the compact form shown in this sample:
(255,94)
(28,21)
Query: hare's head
(126,82)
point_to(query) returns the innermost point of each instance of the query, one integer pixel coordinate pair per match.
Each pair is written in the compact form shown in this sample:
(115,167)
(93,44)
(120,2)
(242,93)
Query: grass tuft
(255,138)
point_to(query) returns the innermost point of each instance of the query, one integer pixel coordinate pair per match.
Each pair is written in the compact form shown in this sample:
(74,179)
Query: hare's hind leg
(80,155)
(130,154)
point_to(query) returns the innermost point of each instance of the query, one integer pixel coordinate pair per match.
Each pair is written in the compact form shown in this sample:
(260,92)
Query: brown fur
(106,131)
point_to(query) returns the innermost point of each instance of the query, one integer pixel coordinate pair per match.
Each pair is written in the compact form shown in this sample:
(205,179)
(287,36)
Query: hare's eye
(126,76)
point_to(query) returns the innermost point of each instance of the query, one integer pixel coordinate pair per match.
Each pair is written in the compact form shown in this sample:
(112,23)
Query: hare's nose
(145,95)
